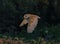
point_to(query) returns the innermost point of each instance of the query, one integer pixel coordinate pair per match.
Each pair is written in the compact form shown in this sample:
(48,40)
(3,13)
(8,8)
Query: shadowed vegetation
(11,15)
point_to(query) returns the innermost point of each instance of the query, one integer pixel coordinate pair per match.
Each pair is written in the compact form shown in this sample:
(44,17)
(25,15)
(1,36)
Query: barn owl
(31,20)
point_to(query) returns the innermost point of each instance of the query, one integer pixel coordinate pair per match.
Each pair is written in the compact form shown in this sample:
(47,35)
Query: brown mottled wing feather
(32,24)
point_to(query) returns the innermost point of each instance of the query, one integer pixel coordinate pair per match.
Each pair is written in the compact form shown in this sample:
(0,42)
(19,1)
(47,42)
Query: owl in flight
(31,20)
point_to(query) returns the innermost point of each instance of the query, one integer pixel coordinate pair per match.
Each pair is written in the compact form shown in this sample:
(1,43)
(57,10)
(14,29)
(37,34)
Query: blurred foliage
(12,11)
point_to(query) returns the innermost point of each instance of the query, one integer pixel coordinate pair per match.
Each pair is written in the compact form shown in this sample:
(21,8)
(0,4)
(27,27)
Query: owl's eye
(26,16)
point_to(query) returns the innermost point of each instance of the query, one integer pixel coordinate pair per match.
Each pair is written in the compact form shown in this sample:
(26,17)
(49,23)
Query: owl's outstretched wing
(23,22)
(32,25)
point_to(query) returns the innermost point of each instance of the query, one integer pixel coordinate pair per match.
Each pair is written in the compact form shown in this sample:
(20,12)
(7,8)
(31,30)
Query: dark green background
(12,12)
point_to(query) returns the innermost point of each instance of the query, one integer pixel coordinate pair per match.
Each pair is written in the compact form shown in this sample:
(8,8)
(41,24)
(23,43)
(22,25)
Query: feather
(23,22)
(32,21)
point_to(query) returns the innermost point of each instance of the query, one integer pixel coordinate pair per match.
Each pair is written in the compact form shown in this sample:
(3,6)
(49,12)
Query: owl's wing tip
(39,17)
(29,32)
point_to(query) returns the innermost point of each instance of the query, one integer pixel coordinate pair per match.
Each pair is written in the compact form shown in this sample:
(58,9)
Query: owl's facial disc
(26,16)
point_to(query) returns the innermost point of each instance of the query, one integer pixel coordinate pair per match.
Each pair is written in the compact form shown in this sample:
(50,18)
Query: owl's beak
(23,22)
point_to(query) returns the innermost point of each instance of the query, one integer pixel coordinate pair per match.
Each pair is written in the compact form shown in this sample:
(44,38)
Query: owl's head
(26,16)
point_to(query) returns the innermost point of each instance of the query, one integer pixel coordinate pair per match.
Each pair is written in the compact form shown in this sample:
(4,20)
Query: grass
(22,41)
(34,38)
